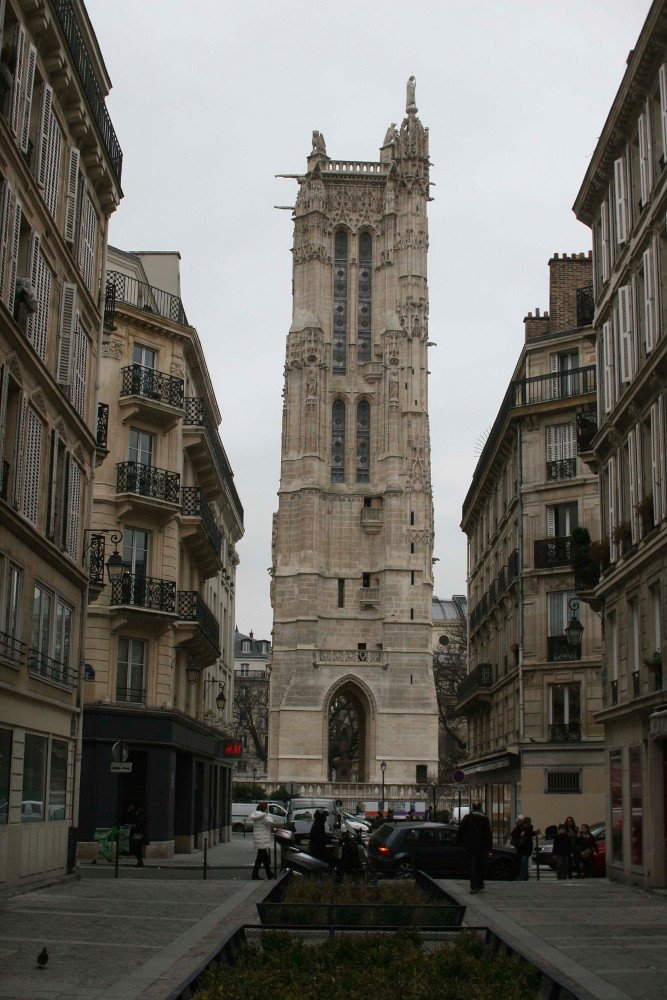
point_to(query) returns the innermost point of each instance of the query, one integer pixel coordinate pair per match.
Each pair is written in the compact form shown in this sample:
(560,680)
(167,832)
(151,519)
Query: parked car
(301,814)
(241,812)
(545,851)
(400,848)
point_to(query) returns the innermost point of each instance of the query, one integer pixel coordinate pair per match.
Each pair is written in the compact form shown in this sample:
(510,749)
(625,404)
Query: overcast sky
(211,99)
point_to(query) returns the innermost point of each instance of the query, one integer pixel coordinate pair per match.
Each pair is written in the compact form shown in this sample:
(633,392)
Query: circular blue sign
(459,776)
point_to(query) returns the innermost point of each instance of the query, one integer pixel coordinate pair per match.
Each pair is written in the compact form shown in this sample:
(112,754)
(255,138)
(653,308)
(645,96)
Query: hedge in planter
(373,966)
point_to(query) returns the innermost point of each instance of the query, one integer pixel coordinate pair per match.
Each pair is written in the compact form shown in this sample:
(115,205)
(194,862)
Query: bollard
(537,855)
(205,857)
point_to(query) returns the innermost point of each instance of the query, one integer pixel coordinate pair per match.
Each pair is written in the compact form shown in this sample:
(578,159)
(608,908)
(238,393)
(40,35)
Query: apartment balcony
(562,469)
(540,389)
(587,427)
(131,696)
(588,561)
(475,689)
(202,442)
(12,650)
(372,519)
(198,628)
(102,427)
(199,532)
(120,289)
(551,553)
(369,598)
(146,602)
(559,650)
(47,668)
(565,732)
(147,489)
(151,395)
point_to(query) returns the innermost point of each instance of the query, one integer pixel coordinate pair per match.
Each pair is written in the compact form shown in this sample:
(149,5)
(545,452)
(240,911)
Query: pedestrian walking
(474,836)
(261,838)
(562,852)
(139,837)
(587,847)
(572,831)
(524,845)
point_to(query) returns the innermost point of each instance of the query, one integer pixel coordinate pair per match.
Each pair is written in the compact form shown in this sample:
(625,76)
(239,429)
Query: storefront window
(58,779)
(636,844)
(5,770)
(616,789)
(34,778)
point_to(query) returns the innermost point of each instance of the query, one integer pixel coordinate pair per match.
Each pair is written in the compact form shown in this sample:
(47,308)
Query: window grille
(340,304)
(562,782)
(338,442)
(363,441)
(364,305)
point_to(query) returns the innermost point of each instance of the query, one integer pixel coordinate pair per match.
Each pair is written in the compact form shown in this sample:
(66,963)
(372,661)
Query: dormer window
(245,646)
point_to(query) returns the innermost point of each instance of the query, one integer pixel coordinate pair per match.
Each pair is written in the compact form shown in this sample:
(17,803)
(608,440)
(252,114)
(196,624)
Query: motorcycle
(347,857)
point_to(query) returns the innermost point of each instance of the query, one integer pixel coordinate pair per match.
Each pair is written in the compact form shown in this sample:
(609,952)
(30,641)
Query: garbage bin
(104,838)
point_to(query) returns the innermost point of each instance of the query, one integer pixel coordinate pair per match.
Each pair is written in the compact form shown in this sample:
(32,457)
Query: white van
(241,815)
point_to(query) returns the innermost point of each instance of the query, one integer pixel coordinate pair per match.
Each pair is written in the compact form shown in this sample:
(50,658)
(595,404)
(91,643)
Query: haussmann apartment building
(623,198)
(60,171)
(532,693)
(160,637)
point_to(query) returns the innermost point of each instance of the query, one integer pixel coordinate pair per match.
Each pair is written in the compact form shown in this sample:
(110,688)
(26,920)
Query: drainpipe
(522,732)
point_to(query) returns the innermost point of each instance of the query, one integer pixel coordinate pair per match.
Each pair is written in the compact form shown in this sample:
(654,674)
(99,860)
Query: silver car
(301,815)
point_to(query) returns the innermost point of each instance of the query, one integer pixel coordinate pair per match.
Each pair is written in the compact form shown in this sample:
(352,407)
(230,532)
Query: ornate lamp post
(575,629)
(383,768)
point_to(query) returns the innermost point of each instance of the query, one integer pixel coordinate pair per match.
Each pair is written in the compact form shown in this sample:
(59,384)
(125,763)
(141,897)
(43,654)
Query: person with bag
(261,838)
(525,834)
(139,837)
(587,847)
(474,836)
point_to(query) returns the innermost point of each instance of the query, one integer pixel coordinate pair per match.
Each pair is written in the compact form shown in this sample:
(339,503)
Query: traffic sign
(121,767)
(120,752)
(459,776)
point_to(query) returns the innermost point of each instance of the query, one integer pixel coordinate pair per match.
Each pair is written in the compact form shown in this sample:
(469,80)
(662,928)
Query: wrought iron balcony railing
(197,415)
(138,380)
(488,601)
(560,650)
(148,481)
(479,679)
(96,552)
(552,552)
(102,424)
(564,468)
(131,695)
(138,591)
(585,306)
(41,665)
(191,608)
(587,427)
(565,732)
(122,288)
(11,649)
(195,505)
(67,18)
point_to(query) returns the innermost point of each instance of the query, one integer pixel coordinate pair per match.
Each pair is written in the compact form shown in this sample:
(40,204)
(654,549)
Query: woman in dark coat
(139,837)
(586,848)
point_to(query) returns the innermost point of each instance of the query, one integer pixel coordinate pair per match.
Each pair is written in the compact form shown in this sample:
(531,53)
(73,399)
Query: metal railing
(191,608)
(587,427)
(563,468)
(102,424)
(559,649)
(197,415)
(506,576)
(67,18)
(131,695)
(11,649)
(148,481)
(240,675)
(96,552)
(371,656)
(41,665)
(195,504)
(585,306)
(551,552)
(479,679)
(138,380)
(122,288)
(565,732)
(138,591)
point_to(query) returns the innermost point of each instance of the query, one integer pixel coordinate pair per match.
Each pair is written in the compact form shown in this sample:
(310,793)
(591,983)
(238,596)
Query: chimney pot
(537,314)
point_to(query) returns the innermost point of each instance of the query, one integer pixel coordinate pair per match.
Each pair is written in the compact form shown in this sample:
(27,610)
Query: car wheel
(502,871)
(237,828)
(404,869)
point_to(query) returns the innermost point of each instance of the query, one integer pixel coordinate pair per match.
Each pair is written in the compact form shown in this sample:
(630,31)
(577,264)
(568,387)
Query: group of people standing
(574,849)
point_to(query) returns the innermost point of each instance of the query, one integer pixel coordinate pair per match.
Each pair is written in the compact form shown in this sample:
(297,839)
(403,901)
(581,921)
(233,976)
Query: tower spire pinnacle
(410,103)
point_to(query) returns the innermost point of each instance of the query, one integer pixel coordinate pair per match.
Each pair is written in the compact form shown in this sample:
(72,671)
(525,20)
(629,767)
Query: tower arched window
(338,442)
(363,441)
(340,303)
(364,298)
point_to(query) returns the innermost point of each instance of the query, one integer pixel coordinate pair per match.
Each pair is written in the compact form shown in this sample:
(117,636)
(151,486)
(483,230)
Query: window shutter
(27,106)
(5,212)
(32,462)
(14,256)
(80,371)
(569,441)
(554,364)
(54,156)
(625,331)
(613,548)
(4,393)
(53,479)
(607,361)
(621,200)
(644,186)
(604,220)
(14,110)
(40,276)
(632,474)
(556,616)
(74,509)
(657,460)
(42,159)
(649,299)
(551,444)
(73,167)
(551,522)
(66,335)
(64,501)
(87,243)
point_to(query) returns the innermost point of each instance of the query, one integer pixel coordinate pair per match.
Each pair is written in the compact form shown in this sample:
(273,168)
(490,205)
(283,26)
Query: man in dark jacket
(474,836)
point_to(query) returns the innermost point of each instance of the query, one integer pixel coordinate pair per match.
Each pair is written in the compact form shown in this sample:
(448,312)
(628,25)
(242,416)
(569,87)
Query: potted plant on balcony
(622,533)
(645,513)
(654,661)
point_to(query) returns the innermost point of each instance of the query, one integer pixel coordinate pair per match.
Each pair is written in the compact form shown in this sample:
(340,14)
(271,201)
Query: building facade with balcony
(159,647)
(252,673)
(623,198)
(530,696)
(450,653)
(60,171)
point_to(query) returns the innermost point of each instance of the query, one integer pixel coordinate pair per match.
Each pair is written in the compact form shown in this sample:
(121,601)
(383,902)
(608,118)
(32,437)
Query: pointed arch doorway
(347,738)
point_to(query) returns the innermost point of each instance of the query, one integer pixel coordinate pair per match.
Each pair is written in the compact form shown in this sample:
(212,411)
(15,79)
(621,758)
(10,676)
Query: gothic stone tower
(353,535)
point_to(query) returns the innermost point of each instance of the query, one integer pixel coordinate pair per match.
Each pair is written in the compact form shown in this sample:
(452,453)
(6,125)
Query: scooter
(348,856)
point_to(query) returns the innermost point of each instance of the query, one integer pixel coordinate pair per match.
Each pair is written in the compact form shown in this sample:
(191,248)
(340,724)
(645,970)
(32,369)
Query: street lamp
(192,671)
(383,768)
(114,565)
(575,629)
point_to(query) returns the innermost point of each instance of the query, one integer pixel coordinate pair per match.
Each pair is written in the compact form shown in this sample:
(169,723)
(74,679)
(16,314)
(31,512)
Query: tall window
(566,380)
(10,602)
(561,452)
(338,442)
(57,779)
(34,778)
(141,446)
(340,303)
(364,298)
(130,670)
(363,441)
(144,356)
(565,712)
(51,635)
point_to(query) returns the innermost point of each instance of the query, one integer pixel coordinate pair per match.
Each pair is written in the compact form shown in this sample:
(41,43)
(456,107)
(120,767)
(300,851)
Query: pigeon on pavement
(42,958)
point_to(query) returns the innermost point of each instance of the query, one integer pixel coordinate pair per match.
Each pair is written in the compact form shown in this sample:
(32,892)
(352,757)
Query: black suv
(400,848)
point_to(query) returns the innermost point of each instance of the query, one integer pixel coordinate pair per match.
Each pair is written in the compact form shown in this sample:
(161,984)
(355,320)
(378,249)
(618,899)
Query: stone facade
(159,642)
(352,546)
(252,673)
(60,166)
(622,199)
(534,746)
